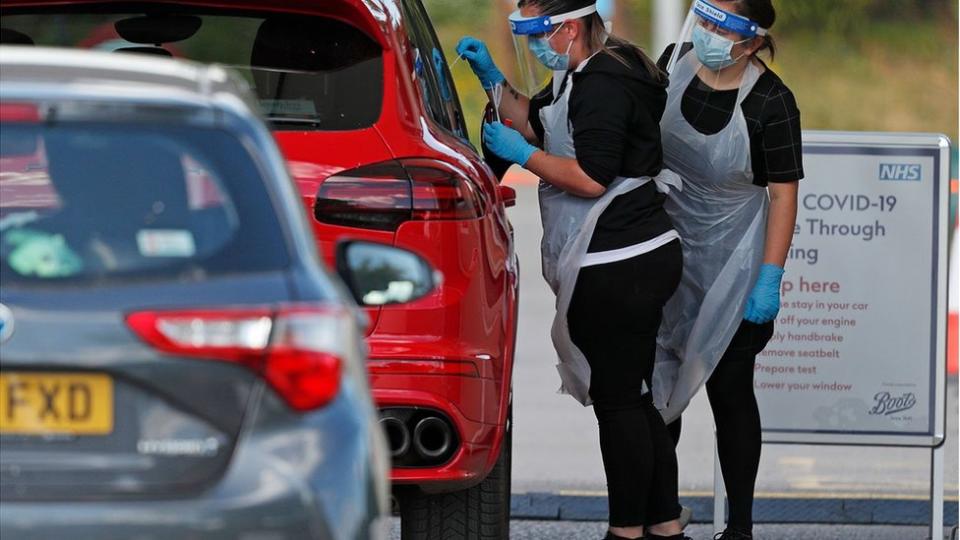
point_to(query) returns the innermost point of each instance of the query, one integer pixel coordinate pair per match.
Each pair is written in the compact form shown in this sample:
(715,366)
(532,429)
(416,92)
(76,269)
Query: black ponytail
(763,13)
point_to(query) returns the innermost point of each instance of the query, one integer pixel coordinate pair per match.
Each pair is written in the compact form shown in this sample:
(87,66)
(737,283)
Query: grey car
(174,360)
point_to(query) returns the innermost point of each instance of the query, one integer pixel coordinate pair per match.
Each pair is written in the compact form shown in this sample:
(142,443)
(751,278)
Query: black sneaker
(733,534)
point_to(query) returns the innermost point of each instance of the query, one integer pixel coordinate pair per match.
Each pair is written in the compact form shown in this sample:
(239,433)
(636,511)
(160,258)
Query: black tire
(478,513)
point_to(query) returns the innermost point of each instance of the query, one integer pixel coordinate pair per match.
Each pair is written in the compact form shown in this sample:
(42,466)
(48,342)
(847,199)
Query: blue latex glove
(507,143)
(476,52)
(764,301)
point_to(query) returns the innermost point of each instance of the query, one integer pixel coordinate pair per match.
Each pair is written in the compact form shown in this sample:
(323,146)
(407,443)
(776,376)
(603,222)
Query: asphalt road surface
(569,530)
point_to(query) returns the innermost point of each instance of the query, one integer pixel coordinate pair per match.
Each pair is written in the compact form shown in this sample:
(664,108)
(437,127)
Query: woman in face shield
(591,133)
(732,131)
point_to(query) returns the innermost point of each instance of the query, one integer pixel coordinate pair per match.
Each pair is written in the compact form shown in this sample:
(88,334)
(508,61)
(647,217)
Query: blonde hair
(600,40)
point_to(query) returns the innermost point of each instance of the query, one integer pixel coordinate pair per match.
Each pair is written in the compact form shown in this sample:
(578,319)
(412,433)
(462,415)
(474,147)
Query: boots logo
(886,404)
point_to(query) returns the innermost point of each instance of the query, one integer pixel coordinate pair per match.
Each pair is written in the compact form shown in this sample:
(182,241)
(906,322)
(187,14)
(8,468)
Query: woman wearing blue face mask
(591,133)
(732,131)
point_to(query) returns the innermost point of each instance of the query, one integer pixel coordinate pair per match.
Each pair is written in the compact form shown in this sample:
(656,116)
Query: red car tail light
(373,197)
(295,350)
(441,193)
(384,195)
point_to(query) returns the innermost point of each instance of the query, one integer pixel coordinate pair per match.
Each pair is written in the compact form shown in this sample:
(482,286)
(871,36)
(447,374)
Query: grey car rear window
(309,73)
(82,202)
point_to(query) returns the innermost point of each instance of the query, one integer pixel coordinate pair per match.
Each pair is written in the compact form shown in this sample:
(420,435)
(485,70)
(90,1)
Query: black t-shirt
(614,112)
(773,121)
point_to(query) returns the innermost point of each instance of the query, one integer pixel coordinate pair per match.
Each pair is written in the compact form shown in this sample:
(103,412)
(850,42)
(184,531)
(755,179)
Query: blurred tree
(850,16)
(853,64)
(622,19)
(444,12)
(505,35)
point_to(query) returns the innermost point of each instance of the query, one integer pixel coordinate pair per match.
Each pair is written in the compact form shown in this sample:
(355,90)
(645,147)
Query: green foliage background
(872,65)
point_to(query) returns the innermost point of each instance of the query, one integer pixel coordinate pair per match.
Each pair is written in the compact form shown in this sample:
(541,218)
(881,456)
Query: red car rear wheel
(481,512)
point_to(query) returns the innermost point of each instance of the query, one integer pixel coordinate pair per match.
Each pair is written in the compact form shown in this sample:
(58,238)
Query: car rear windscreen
(309,73)
(94,202)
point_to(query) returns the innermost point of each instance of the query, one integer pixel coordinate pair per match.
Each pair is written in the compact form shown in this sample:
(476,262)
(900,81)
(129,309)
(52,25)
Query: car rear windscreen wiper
(286,121)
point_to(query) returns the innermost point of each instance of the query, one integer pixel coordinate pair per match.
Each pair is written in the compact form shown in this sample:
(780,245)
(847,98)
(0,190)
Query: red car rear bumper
(470,401)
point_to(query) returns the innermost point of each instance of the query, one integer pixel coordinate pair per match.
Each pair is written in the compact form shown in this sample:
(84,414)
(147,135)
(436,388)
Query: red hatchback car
(363,106)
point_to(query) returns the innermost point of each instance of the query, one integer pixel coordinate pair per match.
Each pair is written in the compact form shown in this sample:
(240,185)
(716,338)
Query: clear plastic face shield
(537,59)
(715,33)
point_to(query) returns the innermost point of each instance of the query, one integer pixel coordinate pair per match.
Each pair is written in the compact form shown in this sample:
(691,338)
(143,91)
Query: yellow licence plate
(56,403)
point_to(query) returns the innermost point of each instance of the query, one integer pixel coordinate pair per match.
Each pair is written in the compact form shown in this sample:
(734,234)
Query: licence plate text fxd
(56,403)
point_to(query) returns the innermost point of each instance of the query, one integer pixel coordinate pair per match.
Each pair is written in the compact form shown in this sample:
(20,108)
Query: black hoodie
(615,112)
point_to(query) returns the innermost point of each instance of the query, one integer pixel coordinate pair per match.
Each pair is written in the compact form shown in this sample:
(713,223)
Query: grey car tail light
(299,351)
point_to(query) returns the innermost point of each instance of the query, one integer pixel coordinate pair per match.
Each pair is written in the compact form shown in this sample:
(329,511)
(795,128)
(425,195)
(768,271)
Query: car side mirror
(380,275)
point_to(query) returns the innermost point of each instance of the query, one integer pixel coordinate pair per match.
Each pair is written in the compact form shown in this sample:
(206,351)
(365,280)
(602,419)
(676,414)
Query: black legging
(614,317)
(737,417)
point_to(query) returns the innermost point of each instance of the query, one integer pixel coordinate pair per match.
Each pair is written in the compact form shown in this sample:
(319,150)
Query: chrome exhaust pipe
(432,437)
(398,435)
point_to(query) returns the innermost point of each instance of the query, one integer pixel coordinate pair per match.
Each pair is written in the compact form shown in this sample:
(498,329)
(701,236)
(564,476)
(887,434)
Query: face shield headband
(728,21)
(534,26)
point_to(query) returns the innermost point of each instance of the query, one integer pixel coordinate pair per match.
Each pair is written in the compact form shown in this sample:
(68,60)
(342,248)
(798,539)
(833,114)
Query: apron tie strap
(668,180)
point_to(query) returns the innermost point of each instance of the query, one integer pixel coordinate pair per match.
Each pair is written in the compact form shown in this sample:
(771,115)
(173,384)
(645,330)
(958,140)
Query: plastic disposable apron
(568,225)
(721,216)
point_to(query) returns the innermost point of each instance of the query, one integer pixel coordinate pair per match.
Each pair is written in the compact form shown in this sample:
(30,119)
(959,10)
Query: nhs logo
(904,172)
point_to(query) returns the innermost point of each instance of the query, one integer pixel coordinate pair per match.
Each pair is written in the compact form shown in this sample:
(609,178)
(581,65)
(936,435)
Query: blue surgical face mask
(712,50)
(541,49)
